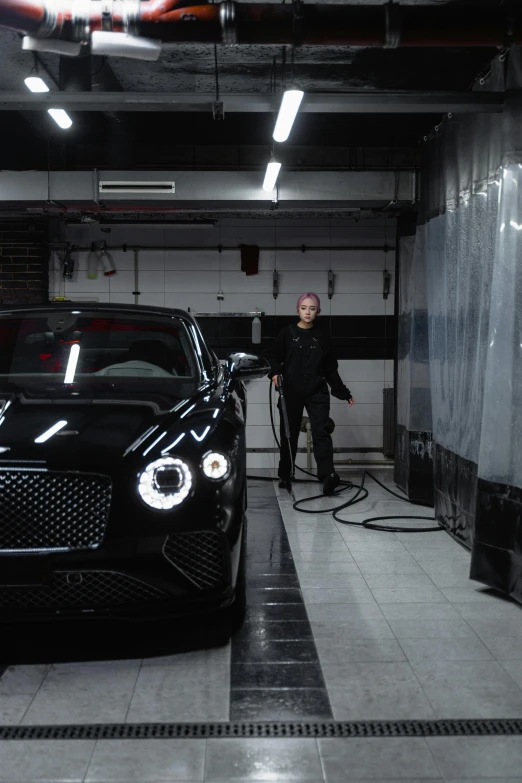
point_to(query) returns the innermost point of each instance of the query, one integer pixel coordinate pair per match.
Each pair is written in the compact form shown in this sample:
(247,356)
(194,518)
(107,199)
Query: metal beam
(322,103)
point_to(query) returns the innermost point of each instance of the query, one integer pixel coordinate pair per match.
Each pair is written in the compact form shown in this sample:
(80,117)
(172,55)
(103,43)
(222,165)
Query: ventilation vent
(115,186)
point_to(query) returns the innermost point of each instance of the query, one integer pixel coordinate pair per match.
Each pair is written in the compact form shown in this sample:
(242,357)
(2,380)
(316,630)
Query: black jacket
(304,369)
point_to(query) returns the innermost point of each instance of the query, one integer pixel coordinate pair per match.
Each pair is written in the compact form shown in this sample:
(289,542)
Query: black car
(122,465)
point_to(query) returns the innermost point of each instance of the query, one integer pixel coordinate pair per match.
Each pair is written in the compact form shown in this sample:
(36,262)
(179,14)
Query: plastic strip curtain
(414,449)
(472,235)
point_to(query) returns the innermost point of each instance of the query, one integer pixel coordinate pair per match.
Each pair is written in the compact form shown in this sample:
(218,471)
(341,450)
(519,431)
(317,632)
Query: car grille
(199,556)
(49,510)
(81,589)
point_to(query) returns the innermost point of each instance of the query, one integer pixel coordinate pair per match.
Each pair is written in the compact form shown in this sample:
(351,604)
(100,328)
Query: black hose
(361,494)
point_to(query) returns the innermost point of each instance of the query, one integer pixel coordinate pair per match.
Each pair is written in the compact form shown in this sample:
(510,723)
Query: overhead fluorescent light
(50,432)
(61,118)
(71,364)
(35,84)
(287,114)
(272,173)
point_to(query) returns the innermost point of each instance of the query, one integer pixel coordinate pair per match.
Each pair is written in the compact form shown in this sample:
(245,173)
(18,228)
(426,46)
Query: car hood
(98,434)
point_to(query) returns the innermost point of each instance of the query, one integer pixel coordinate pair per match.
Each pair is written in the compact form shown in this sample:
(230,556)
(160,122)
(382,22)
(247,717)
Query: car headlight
(165,483)
(215,466)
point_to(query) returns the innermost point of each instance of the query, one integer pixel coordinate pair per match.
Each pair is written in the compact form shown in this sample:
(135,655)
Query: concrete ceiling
(30,140)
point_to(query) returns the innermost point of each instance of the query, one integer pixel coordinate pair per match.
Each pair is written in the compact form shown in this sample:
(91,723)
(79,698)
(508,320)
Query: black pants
(317,406)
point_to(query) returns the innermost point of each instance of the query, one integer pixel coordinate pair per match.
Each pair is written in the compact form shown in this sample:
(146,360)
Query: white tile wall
(192,279)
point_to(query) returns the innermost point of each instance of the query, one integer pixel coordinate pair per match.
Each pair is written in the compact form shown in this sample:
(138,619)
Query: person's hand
(274,379)
(351,402)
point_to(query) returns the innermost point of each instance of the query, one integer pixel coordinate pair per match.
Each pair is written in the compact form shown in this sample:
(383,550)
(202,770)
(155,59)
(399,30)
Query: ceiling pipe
(383,26)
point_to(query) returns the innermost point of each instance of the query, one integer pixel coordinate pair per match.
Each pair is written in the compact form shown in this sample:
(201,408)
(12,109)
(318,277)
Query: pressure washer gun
(286,428)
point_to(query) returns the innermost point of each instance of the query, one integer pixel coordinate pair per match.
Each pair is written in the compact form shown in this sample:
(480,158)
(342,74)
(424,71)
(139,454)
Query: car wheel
(238,608)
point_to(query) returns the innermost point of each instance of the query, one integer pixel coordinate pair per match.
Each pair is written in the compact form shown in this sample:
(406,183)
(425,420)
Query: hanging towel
(249,259)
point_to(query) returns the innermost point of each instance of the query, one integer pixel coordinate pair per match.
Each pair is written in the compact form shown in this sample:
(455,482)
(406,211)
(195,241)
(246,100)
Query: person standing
(303,354)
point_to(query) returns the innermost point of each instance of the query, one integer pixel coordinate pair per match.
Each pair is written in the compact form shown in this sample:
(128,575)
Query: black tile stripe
(280,730)
(275,668)
(353,336)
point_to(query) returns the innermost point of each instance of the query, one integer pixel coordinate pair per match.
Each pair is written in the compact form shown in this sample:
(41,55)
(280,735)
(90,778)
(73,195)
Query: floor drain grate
(319,729)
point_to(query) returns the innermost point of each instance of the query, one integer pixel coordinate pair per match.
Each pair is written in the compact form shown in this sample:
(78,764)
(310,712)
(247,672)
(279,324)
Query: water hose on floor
(361,494)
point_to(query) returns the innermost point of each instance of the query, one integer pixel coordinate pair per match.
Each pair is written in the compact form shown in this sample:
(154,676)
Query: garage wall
(192,279)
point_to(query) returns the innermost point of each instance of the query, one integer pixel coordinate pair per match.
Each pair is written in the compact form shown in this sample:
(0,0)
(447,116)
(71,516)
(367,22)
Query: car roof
(113,307)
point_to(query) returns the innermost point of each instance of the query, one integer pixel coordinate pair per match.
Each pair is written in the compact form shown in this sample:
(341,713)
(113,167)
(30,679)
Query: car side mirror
(247,366)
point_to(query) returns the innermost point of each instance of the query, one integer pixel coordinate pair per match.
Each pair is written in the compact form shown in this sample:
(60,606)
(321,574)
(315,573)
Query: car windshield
(97,354)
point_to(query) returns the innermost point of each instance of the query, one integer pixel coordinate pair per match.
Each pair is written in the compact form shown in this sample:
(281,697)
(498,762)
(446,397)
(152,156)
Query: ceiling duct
(140,188)
(388,25)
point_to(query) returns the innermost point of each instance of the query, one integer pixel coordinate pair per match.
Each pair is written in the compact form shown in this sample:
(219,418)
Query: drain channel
(282,730)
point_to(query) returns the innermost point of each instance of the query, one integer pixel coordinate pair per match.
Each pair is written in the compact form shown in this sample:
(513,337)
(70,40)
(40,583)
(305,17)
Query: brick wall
(24,262)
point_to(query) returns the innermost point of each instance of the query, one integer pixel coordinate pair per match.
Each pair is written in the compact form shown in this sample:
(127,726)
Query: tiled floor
(342,622)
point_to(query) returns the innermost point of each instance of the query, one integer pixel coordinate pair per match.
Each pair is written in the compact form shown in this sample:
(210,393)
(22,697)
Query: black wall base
(497,548)
(455,486)
(414,465)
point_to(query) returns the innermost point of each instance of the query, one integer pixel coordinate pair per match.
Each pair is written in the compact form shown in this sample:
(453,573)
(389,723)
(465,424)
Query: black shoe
(284,484)
(330,483)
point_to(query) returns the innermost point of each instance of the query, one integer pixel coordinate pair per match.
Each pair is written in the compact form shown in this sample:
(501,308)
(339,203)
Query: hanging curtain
(471,246)
(414,452)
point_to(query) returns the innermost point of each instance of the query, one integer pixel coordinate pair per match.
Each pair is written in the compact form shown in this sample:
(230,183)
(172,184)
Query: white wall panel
(191,281)
(148,260)
(259,413)
(257,392)
(360,304)
(260,461)
(99,296)
(346,282)
(185,260)
(154,299)
(123,282)
(360,414)
(361,260)
(121,298)
(260,436)
(202,303)
(239,283)
(297,283)
(361,370)
(362,436)
(81,283)
(247,303)
(152,282)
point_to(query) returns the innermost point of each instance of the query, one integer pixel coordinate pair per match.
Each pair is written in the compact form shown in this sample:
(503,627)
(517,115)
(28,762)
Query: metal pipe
(302,248)
(380,26)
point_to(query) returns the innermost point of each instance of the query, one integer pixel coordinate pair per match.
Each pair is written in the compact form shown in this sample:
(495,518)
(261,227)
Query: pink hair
(309,295)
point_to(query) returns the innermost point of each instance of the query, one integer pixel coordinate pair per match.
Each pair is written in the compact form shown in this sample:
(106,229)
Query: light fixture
(215,466)
(61,118)
(272,173)
(71,364)
(165,483)
(50,432)
(36,84)
(287,114)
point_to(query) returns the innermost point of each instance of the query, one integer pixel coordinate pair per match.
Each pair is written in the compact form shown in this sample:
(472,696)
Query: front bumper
(180,575)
